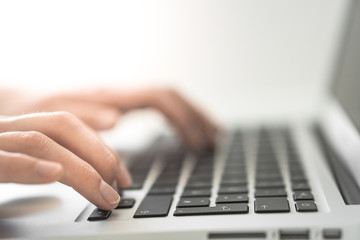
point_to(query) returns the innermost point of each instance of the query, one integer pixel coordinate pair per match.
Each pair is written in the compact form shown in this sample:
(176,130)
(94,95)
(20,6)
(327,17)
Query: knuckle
(65,119)
(88,169)
(107,169)
(111,160)
(64,116)
(110,164)
(87,174)
(35,139)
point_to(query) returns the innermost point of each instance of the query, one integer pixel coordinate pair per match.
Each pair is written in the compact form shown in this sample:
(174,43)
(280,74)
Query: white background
(234,58)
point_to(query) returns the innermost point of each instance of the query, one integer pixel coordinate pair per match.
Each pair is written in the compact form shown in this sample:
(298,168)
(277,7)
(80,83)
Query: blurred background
(239,60)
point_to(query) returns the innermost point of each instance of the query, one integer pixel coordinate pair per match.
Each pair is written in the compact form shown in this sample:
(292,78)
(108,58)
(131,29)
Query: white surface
(235,58)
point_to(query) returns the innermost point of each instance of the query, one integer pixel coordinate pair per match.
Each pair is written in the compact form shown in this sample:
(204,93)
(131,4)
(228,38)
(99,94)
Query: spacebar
(154,206)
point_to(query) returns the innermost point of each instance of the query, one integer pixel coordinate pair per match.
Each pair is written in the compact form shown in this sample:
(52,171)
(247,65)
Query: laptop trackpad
(56,201)
(28,206)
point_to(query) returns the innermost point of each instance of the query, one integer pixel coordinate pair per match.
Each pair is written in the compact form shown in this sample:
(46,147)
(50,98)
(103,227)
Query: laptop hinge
(346,183)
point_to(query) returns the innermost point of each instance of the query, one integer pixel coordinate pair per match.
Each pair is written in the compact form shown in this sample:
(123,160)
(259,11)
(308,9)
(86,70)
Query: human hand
(101,109)
(47,147)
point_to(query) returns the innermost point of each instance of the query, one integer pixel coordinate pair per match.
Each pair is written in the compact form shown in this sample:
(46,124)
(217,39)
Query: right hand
(47,147)
(101,108)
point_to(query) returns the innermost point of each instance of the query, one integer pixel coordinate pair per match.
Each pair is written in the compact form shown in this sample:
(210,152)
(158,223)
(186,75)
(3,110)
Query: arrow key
(306,206)
(303,195)
(272,205)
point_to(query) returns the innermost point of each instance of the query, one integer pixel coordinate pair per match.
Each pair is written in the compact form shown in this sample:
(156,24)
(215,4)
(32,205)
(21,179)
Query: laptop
(294,180)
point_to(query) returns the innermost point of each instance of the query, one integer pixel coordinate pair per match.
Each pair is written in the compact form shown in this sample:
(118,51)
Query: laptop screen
(347,85)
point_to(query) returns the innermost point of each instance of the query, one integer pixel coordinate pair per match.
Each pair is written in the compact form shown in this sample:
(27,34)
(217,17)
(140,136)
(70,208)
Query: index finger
(72,134)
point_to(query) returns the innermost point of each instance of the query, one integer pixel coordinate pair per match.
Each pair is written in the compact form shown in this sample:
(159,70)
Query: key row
(159,206)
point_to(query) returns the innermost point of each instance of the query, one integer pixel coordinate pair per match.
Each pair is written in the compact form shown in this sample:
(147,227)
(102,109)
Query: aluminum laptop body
(317,196)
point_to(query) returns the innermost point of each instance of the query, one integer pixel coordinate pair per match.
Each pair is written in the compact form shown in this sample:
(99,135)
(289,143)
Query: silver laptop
(296,180)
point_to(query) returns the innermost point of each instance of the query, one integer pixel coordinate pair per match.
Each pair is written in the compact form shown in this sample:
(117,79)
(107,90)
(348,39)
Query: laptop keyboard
(272,183)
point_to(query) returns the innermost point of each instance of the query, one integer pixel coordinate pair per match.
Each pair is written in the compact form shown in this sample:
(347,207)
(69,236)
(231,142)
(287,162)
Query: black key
(234,171)
(300,186)
(99,214)
(167,179)
(193,202)
(270,184)
(197,193)
(271,205)
(234,178)
(332,233)
(266,176)
(231,208)
(204,175)
(277,178)
(142,170)
(306,206)
(268,173)
(296,172)
(201,178)
(162,190)
(235,168)
(192,188)
(227,190)
(126,203)
(298,178)
(164,184)
(233,182)
(135,186)
(232,198)
(295,167)
(170,174)
(237,164)
(235,175)
(136,177)
(203,168)
(154,206)
(175,167)
(272,167)
(303,195)
(275,192)
(198,184)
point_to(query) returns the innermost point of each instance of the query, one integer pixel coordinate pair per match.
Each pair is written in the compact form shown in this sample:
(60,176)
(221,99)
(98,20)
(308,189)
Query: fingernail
(47,169)
(108,193)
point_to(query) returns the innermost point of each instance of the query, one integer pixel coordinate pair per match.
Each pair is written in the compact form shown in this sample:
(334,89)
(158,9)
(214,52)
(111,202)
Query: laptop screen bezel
(337,121)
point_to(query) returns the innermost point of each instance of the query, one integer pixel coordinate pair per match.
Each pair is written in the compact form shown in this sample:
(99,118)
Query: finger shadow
(28,206)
